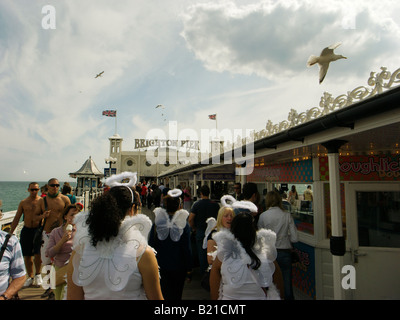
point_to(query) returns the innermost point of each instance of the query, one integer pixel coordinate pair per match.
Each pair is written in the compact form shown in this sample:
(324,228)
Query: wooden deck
(191,291)
(31,293)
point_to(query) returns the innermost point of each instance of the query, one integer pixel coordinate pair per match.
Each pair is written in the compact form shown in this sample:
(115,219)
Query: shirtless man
(56,202)
(30,208)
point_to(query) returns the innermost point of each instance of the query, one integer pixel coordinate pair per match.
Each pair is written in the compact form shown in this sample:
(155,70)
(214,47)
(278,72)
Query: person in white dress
(111,257)
(244,268)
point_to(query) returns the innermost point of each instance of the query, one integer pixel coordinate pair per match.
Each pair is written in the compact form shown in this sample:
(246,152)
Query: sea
(12,192)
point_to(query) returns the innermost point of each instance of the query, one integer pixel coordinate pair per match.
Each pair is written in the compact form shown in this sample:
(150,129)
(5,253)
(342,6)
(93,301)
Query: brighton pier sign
(147,143)
(189,149)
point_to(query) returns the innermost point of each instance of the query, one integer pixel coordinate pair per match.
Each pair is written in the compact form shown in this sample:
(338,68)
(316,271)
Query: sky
(242,60)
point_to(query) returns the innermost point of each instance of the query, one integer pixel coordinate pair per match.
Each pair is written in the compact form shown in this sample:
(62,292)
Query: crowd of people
(113,251)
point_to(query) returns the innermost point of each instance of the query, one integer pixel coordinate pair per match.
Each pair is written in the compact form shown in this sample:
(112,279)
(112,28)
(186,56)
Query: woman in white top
(281,222)
(111,258)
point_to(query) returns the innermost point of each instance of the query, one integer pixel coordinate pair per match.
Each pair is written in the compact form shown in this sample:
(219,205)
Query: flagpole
(115,121)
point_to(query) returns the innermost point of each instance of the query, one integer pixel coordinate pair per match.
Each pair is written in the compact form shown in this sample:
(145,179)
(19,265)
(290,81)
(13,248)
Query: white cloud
(53,100)
(246,62)
(274,39)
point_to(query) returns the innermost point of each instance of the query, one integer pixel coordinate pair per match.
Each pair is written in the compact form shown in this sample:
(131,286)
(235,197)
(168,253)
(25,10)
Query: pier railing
(88,196)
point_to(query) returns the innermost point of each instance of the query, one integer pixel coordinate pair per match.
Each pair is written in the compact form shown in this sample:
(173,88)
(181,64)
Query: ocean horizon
(13,192)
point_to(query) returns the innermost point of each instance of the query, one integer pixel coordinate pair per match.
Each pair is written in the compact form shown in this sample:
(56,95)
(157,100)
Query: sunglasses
(54,185)
(34,189)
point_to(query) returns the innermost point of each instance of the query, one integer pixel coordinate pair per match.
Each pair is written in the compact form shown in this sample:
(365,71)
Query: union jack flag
(110,113)
(212,116)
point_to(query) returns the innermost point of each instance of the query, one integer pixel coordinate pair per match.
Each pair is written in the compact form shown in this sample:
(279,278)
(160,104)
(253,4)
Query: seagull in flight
(327,56)
(99,75)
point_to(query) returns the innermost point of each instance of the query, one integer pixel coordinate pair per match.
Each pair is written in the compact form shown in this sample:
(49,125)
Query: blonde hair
(222,211)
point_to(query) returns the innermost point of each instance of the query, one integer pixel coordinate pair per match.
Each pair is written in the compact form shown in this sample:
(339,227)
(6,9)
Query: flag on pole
(110,113)
(212,116)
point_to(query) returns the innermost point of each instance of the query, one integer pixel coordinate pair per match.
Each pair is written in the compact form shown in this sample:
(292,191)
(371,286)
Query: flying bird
(99,75)
(162,114)
(326,57)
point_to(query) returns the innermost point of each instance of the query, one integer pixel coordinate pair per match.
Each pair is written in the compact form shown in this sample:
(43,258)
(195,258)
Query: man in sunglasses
(30,209)
(52,207)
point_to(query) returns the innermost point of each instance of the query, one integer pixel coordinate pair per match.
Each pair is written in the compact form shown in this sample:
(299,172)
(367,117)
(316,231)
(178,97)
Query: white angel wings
(235,259)
(211,223)
(172,227)
(118,256)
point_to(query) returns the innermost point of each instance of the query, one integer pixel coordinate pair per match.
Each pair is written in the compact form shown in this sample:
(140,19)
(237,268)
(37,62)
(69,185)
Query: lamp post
(110,161)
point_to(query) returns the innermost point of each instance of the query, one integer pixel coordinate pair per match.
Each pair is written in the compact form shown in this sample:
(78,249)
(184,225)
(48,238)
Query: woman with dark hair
(244,268)
(281,222)
(111,257)
(170,237)
(67,191)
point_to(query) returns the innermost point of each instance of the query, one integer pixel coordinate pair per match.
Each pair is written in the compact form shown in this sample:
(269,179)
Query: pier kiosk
(88,178)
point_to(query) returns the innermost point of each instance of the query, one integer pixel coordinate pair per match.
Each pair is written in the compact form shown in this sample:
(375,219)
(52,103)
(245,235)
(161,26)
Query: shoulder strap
(4,246)
(43,222)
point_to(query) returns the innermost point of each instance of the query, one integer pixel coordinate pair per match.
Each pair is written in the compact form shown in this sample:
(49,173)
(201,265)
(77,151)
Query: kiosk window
(301,209)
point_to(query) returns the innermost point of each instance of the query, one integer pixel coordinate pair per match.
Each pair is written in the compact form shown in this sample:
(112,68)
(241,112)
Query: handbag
(37,238)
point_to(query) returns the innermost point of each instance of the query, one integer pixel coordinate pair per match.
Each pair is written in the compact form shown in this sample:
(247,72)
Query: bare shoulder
(148,254)
(147,259)
(65,199)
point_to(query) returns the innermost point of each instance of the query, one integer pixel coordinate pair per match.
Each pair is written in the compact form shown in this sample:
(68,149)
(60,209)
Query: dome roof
(88,169)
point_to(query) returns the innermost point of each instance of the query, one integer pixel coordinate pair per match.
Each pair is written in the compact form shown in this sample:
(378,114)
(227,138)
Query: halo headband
(247,205)
(175,193)
(227,198)
(114,181)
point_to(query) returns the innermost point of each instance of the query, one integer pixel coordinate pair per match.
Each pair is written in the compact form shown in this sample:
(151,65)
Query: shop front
(293,179)
(371,221)
(370,208)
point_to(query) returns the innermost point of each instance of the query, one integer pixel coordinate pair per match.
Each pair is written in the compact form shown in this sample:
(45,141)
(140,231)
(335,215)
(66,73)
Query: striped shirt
(12,264)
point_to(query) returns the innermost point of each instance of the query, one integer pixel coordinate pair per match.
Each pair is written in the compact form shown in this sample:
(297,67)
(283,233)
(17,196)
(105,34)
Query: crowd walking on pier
(114,251)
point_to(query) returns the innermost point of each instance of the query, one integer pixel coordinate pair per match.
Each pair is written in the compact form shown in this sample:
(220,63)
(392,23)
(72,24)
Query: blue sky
(244,60)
